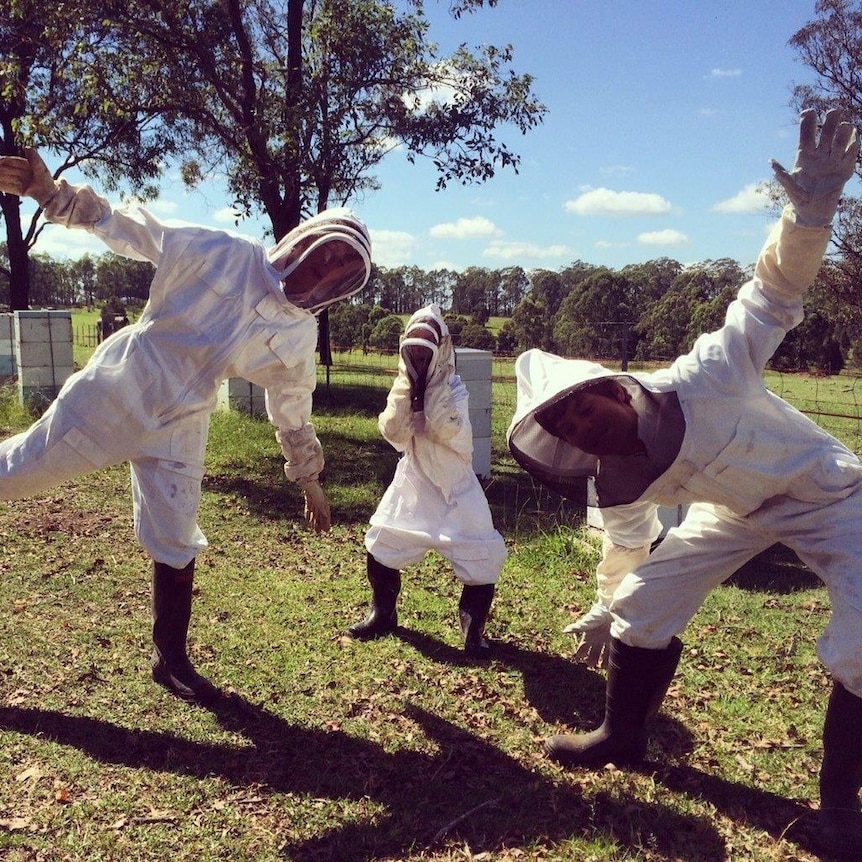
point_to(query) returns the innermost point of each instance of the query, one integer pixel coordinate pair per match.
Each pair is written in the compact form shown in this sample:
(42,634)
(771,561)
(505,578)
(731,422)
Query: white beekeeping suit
(434,502)
(220,306)
(753,469)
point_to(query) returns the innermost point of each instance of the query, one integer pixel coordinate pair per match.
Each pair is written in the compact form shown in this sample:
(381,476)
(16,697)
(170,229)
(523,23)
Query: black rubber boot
(382,619)
(172,610)
(473,608)
(638,680)
(840,820)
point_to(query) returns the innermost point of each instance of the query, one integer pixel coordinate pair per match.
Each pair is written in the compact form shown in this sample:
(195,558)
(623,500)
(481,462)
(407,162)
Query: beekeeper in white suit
(220,306)
(435,501)
(755,471)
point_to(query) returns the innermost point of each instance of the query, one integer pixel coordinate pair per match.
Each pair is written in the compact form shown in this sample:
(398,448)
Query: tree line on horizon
(649,312)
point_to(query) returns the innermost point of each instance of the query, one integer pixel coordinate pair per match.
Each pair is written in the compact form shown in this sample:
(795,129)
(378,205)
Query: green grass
(392,750)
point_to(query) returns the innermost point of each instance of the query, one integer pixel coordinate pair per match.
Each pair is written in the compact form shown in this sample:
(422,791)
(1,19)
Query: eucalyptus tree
(296,101)
(594,319)
(66,88)
(830,44)
(514,285)
(530,325)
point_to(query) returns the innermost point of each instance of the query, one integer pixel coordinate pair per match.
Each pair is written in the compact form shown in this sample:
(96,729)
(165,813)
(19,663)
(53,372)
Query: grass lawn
(397,749)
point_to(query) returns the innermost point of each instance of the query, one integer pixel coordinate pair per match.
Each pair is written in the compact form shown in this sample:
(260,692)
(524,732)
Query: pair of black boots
(473,608)
(638,680)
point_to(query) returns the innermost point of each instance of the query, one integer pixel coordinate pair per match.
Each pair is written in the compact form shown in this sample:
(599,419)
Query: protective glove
(822,167)
(27,177)
(593,634)
(317,512)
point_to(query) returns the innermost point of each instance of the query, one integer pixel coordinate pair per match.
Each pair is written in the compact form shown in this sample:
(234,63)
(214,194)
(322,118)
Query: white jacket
(216,310)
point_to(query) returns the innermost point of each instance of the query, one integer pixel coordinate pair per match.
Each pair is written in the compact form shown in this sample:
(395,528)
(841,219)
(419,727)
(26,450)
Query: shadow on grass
(559,689)
(775,570)
(465,790)
(776,815)
(260,483)
(352,400)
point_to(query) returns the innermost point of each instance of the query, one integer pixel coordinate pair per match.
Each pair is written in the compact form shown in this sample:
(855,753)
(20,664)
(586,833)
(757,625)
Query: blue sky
(662,118)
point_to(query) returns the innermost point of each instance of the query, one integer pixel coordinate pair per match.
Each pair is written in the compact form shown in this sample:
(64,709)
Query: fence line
(833,402)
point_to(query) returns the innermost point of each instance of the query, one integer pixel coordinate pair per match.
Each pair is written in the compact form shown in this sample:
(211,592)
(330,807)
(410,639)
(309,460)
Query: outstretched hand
(592,633)
(15,175)
(823,165)
(317,512)
(27,177)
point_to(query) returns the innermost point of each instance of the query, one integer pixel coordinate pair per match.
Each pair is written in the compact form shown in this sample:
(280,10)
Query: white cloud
(161,206)
(669,236)
(446,264)
(604,201)
(442,90)
(392,248)
(464,228)
(224,215)
(503,250)
(64,244)
(749,200)
(725,73)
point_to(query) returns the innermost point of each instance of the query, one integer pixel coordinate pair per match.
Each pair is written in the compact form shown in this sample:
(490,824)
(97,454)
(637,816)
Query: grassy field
(398,749)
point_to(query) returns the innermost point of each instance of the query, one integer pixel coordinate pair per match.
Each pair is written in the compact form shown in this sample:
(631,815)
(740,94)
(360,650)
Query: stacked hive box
(43,352)
(7,345)
(238,394)
(474,368)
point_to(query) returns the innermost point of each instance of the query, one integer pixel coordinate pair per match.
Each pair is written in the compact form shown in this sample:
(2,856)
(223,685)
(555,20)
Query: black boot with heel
(172,611)
(638,680)
(382,619)
(473,609)
(840,820)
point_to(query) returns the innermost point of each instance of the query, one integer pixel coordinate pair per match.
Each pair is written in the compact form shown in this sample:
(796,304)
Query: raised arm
(823,165)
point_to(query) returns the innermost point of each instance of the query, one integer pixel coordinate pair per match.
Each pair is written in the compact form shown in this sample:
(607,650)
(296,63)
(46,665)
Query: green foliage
(477,336)
(70,85)
(386,333)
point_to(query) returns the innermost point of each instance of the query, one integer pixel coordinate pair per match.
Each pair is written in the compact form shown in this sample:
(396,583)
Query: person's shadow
(563,691)
(445,784)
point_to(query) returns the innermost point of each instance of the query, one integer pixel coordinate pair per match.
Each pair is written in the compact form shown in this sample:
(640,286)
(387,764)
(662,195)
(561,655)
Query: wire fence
(834,402)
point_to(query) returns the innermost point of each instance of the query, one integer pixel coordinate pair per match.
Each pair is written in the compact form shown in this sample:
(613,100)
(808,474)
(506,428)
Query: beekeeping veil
(348,265)
(424,337)
(543,380)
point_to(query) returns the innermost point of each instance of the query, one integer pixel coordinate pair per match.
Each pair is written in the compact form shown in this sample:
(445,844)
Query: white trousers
(63,444)
(414,518)
(657,602)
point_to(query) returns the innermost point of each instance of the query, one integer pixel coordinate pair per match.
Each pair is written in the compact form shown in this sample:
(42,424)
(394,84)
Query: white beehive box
(474,368)
(236,393)
(7,344)
(43,352)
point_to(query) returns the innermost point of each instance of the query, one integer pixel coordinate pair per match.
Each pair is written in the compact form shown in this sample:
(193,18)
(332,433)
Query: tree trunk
(19,262)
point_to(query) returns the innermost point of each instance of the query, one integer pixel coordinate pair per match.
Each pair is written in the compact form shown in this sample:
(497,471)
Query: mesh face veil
(419,348)
(323,260)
